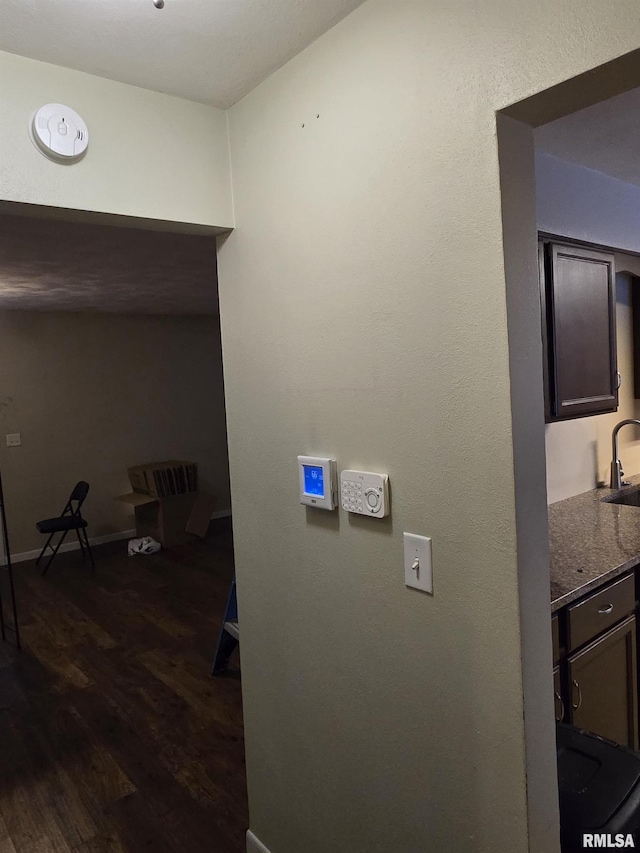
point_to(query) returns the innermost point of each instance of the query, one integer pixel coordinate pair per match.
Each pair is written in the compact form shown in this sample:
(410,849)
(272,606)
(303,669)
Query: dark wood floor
(114,736)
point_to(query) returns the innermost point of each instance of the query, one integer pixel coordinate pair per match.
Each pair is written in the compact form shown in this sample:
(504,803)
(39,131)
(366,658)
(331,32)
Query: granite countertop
(591,542)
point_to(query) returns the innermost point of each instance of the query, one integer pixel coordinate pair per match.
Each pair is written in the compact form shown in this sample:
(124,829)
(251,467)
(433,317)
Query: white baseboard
(254,845)
(71,545)
(74,545)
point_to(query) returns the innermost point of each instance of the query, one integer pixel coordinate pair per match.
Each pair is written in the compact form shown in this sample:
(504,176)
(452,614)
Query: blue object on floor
(229,633)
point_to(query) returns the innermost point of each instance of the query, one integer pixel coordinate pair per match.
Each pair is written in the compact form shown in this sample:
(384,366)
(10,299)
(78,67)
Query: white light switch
(14,440)
(418,569)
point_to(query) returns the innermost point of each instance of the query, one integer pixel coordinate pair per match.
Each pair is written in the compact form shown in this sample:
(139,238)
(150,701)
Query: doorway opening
(116,735)
(554,194)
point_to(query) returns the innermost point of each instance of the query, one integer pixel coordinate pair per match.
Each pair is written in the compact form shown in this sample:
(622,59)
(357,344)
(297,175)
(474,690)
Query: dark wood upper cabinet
(634,292)
(577,287)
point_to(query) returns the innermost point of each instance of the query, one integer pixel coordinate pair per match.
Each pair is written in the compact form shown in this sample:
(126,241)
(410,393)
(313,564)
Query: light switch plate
(418,567)
(14,440)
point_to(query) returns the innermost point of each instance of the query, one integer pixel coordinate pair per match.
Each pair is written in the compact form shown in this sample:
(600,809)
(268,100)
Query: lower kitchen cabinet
(603,685)
(595,675)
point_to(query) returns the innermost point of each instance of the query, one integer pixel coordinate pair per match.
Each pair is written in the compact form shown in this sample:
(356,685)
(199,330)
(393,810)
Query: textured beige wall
(517,181)
(140,162)
(364,316)
(92,394)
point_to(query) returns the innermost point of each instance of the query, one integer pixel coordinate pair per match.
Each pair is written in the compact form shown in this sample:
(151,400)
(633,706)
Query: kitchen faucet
(616,466)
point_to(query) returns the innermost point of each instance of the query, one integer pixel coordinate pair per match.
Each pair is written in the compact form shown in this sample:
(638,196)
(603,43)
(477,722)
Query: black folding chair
(71,519)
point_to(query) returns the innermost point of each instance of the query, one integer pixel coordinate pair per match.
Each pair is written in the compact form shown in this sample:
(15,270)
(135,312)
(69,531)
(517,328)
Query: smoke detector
(59,133)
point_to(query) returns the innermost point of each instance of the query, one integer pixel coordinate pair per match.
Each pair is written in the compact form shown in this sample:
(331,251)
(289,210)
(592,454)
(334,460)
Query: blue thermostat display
(318,482)
(313,480)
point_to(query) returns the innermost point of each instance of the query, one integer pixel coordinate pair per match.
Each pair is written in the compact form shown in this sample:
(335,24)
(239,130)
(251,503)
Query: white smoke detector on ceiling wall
(59,133)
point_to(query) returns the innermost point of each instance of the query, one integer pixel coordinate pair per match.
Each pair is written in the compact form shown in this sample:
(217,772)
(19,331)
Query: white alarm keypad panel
(364,493)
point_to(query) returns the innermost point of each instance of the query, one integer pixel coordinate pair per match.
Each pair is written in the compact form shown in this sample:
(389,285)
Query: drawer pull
(577,686)
(560,718)
(604,611)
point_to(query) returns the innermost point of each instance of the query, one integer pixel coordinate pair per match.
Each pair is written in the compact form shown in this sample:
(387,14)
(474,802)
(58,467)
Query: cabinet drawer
(600,611)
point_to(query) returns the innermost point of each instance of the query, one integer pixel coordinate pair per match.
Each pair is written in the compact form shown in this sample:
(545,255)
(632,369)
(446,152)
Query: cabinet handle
(560,718)
(618,379)
(604,611)
(577,686)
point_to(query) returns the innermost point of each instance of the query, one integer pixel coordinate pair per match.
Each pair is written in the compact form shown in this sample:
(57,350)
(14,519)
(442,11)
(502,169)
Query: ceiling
(213,51)
(55,265)
(604,137)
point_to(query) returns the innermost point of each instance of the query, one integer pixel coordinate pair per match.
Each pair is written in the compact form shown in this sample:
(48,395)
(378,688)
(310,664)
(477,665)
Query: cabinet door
(578,287)
(557,696)
(555,639)
(603,685)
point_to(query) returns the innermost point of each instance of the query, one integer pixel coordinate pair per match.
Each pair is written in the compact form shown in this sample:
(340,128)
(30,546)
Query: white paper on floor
(146,545)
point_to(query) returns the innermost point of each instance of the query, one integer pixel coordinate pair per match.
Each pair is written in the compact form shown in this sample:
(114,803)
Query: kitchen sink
(631,497)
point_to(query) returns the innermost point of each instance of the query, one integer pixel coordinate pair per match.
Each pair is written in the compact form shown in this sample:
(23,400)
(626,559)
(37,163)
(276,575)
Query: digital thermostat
(365,493)
(318,482)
